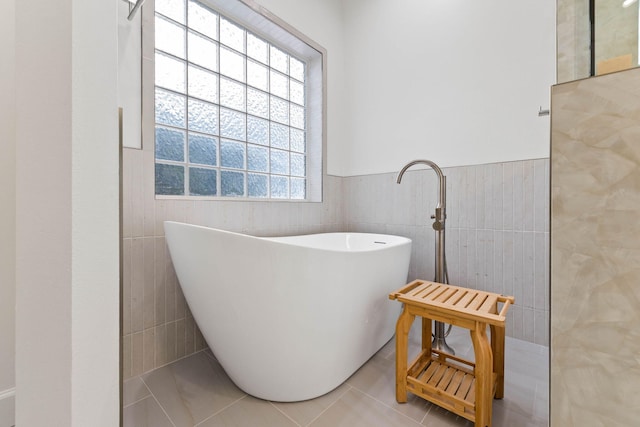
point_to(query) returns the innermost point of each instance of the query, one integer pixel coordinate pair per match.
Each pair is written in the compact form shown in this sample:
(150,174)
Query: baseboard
(7,407)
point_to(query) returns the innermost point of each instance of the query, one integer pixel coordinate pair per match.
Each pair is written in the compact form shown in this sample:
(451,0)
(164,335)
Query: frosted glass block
(279,84)
(231,35)
(232,183)
(257,130)
(297,116)
(203,149)
(170,108)
(231,64)
(298,164)
(279,187)
(279,60)
(279,162)
(298,188)
(203,117)
(296,69)
(257,185)
(203,51)
(257,158)
(170,73)
(233,124)
(169,37)
(257,49)
(232,94)
(174,9)
(202,19)
(203,182)
(203,84)
(296,91)
(232,154)
(257,103)
(279,136)
(297,140)
(279,110)
(257,75)
(169,179)
(170,144)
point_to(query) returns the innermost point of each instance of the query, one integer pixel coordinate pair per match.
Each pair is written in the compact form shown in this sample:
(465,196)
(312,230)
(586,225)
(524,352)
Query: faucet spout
(442,186)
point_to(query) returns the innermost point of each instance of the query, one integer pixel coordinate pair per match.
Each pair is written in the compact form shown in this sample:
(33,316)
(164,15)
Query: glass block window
(230,108)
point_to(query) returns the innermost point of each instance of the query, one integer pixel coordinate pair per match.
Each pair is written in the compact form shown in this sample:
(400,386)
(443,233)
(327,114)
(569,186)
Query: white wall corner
(67,292)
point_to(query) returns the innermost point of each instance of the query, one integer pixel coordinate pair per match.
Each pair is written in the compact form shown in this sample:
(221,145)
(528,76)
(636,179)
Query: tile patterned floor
(195,391)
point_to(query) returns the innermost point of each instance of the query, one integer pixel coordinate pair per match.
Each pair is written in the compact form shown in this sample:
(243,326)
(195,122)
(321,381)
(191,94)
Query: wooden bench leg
(426,334)
(497,348)
(483,374)
(402,342)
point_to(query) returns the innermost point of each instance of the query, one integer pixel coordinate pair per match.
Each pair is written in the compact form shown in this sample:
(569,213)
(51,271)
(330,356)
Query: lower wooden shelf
(446,380)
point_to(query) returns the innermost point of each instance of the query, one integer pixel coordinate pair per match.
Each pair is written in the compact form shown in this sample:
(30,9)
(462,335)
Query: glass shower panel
(615,35)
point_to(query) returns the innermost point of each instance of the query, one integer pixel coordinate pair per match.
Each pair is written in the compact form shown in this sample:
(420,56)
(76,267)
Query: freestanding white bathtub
(290,318)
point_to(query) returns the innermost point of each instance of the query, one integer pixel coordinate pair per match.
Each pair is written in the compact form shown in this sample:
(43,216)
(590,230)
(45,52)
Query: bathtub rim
(297,240)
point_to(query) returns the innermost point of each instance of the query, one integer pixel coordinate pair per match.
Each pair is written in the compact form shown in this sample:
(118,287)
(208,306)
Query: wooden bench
(458,385)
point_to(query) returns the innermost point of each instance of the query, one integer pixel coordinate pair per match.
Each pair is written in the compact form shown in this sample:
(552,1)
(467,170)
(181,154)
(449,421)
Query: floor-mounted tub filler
(290,318)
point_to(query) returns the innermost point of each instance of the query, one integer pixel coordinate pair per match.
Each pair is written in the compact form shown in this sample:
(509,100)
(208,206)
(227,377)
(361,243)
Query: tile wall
(497,235)
(497,240)
(595,264)
(573,36)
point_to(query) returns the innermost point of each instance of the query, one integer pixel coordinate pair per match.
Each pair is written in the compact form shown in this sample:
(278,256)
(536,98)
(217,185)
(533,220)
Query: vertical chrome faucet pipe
(439,218)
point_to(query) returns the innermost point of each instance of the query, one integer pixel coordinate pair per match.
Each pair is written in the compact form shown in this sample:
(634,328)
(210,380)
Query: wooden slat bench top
(470,304)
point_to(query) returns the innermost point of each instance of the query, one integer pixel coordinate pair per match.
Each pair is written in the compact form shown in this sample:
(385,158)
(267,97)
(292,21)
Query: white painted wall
(67,345)
(7,214)
(457,82)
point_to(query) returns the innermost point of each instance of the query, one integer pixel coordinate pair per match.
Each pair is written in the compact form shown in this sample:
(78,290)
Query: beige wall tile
(160,283)
(180,338)
(137,285)
(149,303)
(137,354)
(126,286)
(171,351)
(127,356)
(148,349)
(595,253)
(161,345)
(137,194)
(189,335)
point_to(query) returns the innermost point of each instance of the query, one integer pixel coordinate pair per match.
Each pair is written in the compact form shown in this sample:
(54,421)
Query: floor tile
(195,391)
(507,417)
(133,390)
(519,393)
(356,409)
(439,417)
(389,349)
(192,389)
(249,411)
(145,413)
(377,378)
(305,412)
